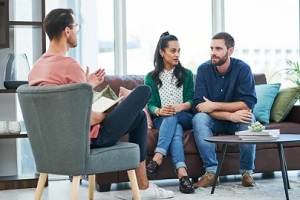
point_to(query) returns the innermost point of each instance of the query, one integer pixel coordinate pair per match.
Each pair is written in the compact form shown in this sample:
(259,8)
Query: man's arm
(233,111)
(96,117)
(240,116)
(210,106)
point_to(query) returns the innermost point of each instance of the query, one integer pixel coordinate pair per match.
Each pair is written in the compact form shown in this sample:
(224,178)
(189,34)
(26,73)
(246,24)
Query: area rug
(265,189)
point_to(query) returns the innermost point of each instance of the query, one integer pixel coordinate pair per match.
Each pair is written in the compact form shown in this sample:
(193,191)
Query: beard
(72,42)
(220,61)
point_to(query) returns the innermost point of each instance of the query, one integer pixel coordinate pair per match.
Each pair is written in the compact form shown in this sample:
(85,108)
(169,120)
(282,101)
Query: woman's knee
(170,119)
(178,131)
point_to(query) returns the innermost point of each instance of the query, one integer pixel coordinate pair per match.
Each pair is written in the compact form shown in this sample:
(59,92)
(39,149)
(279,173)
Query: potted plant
(292,71)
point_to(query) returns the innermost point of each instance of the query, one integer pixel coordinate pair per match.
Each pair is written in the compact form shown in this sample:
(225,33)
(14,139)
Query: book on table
(256,137)
(104,103)
(271,134)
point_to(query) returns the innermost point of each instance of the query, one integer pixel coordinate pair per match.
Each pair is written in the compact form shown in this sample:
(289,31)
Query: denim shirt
(237,84)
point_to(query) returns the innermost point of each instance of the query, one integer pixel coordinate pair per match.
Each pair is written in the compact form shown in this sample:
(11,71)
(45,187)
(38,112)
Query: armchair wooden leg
(91,186)
(40,186)
(75,186)
(134,184)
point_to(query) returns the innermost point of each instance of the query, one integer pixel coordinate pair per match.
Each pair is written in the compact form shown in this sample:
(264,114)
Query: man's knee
(201,118)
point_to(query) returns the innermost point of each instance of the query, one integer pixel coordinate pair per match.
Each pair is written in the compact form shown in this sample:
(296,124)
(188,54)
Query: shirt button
(221,90)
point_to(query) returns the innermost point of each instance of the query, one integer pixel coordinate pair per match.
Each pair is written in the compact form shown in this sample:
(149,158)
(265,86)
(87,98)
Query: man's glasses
(77,27)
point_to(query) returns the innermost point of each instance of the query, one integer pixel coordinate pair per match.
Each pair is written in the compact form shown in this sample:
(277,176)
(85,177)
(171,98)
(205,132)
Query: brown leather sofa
(266,155)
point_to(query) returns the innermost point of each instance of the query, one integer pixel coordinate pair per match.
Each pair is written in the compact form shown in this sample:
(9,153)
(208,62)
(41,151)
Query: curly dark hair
(179,71)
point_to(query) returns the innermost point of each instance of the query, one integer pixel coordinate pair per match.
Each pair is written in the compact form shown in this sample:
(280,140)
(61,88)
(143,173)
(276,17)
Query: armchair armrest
(294,115)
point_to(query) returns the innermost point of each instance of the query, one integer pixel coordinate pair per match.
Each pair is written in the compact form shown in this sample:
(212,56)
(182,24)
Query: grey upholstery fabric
(57,120)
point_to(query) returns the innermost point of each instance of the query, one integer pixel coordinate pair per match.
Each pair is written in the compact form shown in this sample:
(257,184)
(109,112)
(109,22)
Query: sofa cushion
(284,102)
(265,94)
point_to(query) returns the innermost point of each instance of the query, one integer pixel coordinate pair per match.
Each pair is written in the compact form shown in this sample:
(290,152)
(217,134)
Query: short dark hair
(229,41)
(56,21)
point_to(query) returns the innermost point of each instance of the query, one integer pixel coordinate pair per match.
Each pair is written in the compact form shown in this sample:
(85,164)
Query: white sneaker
(155,192)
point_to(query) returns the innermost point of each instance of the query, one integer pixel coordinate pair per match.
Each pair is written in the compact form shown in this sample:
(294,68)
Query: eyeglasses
(77,27)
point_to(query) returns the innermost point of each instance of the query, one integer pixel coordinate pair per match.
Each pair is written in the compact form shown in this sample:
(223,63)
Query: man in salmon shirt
(56,68)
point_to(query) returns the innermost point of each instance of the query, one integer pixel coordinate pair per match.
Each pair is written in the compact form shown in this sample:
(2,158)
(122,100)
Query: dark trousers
(127,118)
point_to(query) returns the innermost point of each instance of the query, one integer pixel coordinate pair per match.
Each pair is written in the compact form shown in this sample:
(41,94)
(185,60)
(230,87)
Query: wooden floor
(60,189)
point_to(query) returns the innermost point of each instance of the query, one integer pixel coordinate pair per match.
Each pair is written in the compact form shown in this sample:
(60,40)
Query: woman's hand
(95,78)
(172,109)
(167,110)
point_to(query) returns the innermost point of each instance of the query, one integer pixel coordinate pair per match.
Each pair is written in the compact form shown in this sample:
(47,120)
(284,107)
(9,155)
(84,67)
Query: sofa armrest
(294,115)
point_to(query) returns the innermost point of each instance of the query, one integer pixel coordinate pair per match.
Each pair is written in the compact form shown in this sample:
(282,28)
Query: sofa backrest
(131,81)
(260,79)
(126,81)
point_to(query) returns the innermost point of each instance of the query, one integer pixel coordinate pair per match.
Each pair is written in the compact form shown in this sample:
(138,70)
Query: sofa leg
(103,187)
(268,175)
(194,180)
(71,179)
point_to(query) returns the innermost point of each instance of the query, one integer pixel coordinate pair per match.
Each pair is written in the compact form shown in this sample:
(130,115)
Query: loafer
(247,180)
(152,169)
(185,185)
(206,180)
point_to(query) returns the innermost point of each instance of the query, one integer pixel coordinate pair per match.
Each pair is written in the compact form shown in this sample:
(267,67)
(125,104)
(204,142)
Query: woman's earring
(162,55)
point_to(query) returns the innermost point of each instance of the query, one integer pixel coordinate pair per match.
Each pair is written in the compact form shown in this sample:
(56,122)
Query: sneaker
(155,192)
(206,180)
(185,185)
(247,180)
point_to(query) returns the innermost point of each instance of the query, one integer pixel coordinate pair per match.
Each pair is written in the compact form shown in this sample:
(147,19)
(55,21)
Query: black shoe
(152,169)
(185,185)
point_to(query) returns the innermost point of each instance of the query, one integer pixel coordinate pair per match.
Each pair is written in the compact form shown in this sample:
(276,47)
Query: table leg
(286,169)
(219,167)
(283,170)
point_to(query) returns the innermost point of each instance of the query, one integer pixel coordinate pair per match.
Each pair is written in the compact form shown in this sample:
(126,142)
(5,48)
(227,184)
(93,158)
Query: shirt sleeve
(154,101)
(247,88)
(200,86)
(189,87)
(75,73)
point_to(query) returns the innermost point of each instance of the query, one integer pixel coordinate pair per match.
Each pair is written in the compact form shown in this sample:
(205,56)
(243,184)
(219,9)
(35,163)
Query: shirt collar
(170,71)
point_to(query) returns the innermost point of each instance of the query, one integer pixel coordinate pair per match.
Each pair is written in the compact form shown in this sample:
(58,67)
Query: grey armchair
(57,120)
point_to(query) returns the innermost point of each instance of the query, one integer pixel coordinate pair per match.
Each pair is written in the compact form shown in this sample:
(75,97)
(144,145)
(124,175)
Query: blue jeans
(205,126)
(170,136)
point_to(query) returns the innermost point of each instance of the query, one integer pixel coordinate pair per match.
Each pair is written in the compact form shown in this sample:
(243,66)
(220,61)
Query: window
(189,21)
(270,26)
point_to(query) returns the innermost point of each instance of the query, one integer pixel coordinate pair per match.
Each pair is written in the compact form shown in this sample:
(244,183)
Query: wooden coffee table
(233,139)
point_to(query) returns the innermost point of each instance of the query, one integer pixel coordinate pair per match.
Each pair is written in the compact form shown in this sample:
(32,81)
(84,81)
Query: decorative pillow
(106,92)
(265,94)
(125,92)
(284,102)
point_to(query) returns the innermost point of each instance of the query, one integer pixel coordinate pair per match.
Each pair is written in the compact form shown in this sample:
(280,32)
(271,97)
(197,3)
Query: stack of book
(271,134)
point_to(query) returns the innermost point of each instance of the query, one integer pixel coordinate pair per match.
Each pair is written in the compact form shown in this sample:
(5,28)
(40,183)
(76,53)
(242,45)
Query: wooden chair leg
(134,185)
(75,186)
(91,186)
(40,186)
